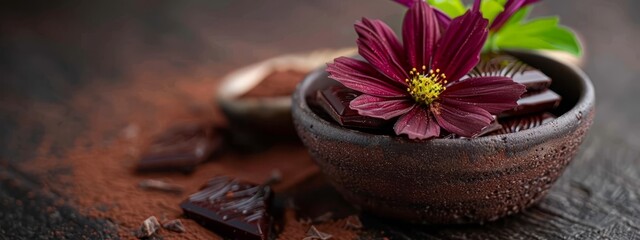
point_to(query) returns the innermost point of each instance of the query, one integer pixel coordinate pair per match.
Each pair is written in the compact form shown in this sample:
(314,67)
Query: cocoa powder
(120,119)
(276,84)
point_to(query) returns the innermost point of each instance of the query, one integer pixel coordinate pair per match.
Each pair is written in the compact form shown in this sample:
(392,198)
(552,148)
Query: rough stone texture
(595,204)
(28,212)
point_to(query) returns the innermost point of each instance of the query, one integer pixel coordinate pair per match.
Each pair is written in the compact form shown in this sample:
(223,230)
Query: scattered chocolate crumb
(174,225)
(149,227)
(353,222)
(276,176)
(290,203)
(323,218)
(132,131)
(152,184)
(314,234)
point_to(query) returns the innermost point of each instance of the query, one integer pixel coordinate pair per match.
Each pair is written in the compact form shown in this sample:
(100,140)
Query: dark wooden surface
(49,50)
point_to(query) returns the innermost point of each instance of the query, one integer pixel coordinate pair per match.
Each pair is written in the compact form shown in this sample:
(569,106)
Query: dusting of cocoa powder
(277,84)
(119,119)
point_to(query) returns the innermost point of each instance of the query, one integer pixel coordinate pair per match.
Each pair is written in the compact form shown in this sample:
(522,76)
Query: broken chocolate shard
(174,225)
(335,101)
(494,126)
(353,222)
(328,216)
(538,97)
(516,124)
(151,184)
(533,79)
(504,65)
(541,102)
(314,234)
(232,208)
(148,228)
(181,148)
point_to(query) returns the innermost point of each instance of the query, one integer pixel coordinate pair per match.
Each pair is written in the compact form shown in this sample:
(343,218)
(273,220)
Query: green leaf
(536,26)
(453,8)
(517,17)
(490,9)
(542,33)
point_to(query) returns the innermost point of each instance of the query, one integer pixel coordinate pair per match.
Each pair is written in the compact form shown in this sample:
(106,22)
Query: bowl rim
(239,81)
(228,94)
(584,104)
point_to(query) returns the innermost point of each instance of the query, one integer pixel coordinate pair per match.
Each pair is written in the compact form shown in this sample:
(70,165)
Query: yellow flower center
(425,87)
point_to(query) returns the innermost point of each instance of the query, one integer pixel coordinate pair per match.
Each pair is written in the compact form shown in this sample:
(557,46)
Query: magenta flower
(510,8)
(419,80)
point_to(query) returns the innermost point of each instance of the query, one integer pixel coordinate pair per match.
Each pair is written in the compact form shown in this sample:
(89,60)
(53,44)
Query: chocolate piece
(231,208)
(494,126)
(335,101)
(323,218)
(151,184)
(353,222)
(516,124)
(537,98)
(314,234)
(181,148)
(520,72)
(540,102)
(328,216)
(149,227)
(533,79)
(174,225)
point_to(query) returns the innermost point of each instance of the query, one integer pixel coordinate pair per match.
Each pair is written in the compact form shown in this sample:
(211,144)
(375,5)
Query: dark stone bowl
(449,180)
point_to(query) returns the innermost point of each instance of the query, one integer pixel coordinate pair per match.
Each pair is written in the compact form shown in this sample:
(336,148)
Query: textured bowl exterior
(449,180)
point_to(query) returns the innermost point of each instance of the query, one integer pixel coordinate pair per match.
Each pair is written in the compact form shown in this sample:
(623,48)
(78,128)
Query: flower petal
(379,107)
(380,47)
(460,118)
(362,77)
(510,8)
(459,48)
(417,124)
(407,3)
(493,94)
(443,19)
(420,33)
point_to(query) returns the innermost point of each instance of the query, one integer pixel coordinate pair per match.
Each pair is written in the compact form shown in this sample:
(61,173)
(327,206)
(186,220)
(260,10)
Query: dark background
(49,50)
